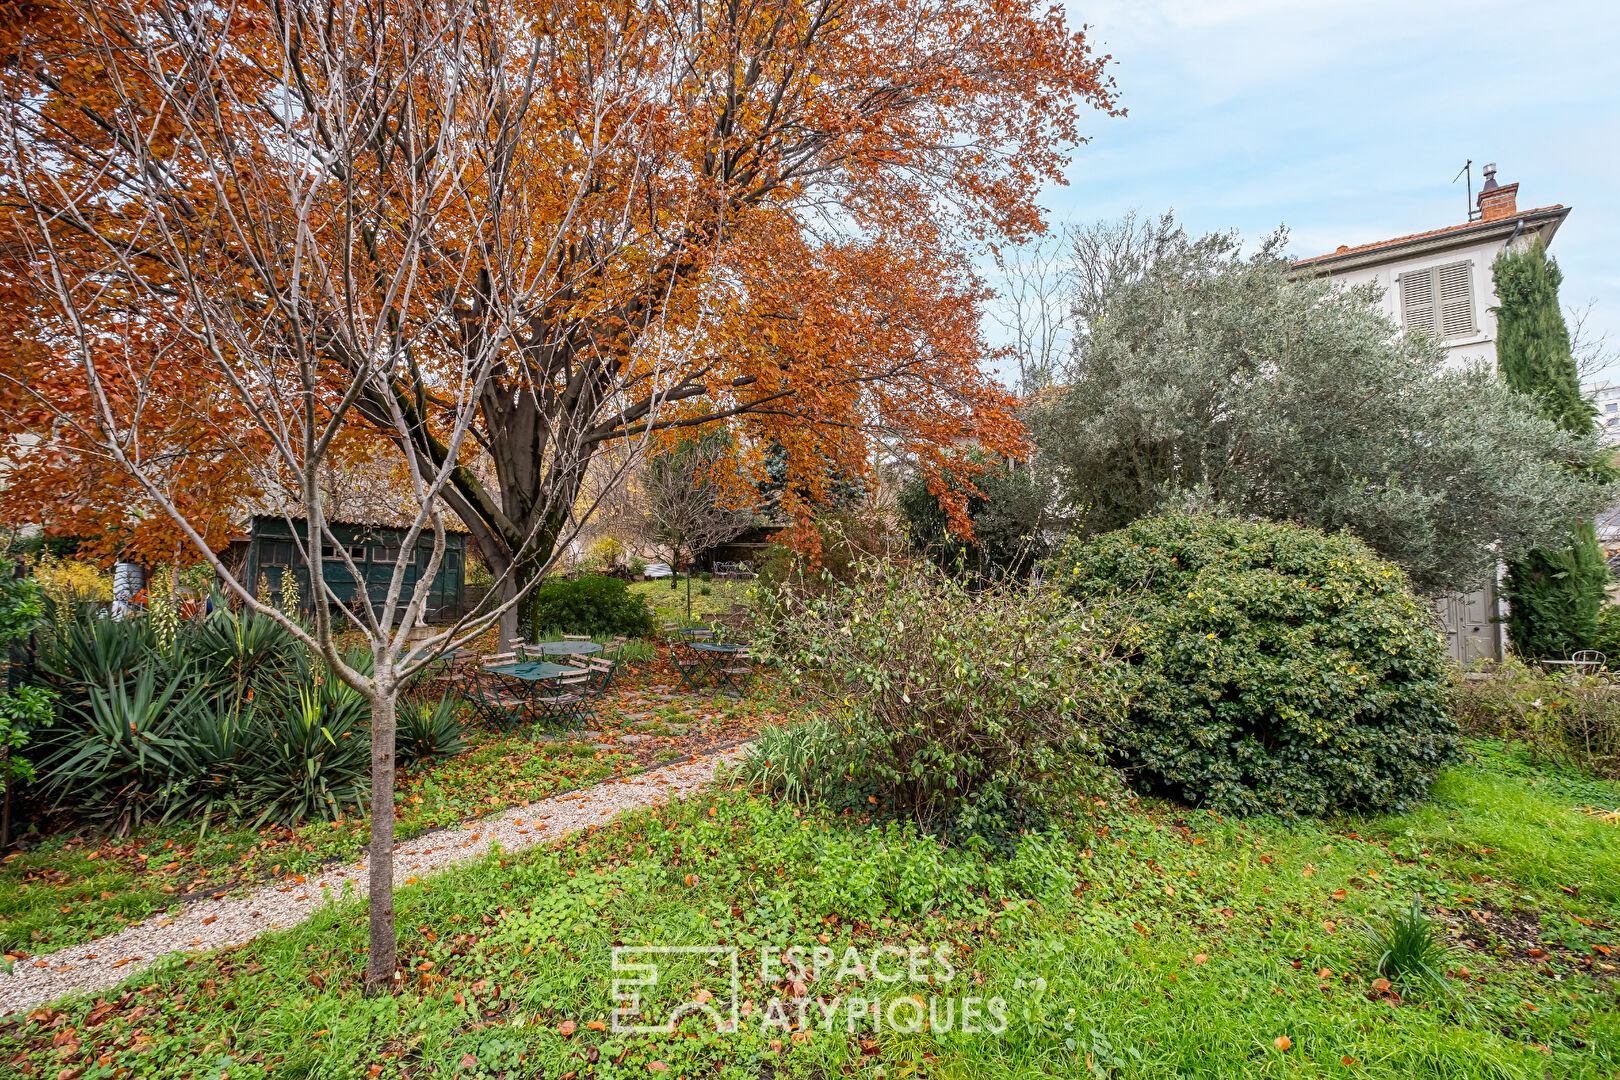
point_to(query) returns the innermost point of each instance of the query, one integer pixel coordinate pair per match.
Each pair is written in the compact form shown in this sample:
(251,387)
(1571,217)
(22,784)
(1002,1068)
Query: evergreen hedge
(597,605)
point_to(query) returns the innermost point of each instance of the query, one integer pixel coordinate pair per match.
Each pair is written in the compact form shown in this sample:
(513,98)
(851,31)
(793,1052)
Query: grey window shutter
(1456,288)
(1417,300)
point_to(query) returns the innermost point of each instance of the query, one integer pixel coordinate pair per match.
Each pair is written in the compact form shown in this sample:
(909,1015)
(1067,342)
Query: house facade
(1606,397)
(1440,282)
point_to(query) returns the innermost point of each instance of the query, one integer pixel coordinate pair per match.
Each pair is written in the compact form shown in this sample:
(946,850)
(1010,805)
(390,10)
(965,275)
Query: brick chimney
(1497,201)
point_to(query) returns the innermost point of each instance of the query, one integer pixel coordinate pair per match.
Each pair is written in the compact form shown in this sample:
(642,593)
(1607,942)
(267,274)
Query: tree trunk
(380,964)
(509,617)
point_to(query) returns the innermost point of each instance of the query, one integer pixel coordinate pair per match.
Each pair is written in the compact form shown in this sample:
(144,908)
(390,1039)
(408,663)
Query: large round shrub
(596,605)
(1276,669)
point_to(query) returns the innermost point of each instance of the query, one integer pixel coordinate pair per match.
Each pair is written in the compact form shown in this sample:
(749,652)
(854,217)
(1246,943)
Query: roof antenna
(1468,171)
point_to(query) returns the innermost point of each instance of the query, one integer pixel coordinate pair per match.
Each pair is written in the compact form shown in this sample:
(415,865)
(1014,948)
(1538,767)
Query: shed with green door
(271,552)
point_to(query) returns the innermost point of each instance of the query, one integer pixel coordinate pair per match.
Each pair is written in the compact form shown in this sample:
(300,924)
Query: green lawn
(671,604)
(1140,940)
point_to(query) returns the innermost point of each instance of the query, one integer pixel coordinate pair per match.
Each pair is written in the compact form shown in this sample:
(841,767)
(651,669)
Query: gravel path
(210,924)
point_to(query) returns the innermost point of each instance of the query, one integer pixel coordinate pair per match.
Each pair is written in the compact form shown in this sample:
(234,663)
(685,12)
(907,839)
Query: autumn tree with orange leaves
(497,240)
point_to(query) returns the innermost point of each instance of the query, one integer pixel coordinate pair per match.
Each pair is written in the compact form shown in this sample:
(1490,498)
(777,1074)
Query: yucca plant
(128,751)
(243,656)
(1409,947)
(427,730)
(80,654)
(309,762)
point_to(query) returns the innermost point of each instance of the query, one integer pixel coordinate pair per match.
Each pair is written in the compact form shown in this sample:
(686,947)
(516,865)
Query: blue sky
(1347,121)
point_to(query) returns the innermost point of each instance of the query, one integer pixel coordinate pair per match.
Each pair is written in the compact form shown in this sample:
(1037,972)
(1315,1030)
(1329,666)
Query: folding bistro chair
(604,670)
(567,703)
(576,637)
(688,669)
(500,709)
(1587,661)
(733,677)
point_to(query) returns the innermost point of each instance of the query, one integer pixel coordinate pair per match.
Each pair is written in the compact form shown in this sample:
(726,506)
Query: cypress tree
(1554,595)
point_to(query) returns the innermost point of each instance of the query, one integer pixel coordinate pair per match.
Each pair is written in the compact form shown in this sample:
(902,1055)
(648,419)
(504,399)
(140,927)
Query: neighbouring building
(1440,282)
(1606,396)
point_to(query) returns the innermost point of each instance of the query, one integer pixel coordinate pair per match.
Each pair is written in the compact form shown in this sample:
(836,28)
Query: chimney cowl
(1490,178)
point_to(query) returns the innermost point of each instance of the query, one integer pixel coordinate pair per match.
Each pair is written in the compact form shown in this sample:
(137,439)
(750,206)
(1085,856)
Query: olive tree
(1206,378)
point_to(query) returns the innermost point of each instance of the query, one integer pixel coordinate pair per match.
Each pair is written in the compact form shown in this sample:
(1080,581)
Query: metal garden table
(522,681)
(714,655)
(565,648)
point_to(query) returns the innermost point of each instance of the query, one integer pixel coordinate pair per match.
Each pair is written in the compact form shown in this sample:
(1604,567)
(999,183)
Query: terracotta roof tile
(1423,235)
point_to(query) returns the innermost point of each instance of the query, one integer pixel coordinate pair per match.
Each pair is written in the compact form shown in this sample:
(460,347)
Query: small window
(275,553)
(452,561)
(1439,300)
(357,552)
(1613,406)
(384,553)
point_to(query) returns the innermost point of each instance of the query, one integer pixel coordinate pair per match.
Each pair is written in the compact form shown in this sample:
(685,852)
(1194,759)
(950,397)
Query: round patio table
(535,706)
(714,655)
(566,648)
(533,671)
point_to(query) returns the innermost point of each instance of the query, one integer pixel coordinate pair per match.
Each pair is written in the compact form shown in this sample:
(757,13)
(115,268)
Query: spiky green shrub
(311,762)
(231,717)
(1273,669)
(127,751)
(428,729)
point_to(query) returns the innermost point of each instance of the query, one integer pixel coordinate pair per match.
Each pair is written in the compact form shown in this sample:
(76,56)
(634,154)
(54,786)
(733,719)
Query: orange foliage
(699,213)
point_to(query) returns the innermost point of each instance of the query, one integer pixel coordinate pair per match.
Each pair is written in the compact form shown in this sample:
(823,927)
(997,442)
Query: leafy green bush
(968,712)
(26,708)
(596,605)
(1274,669)
(1573,720)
